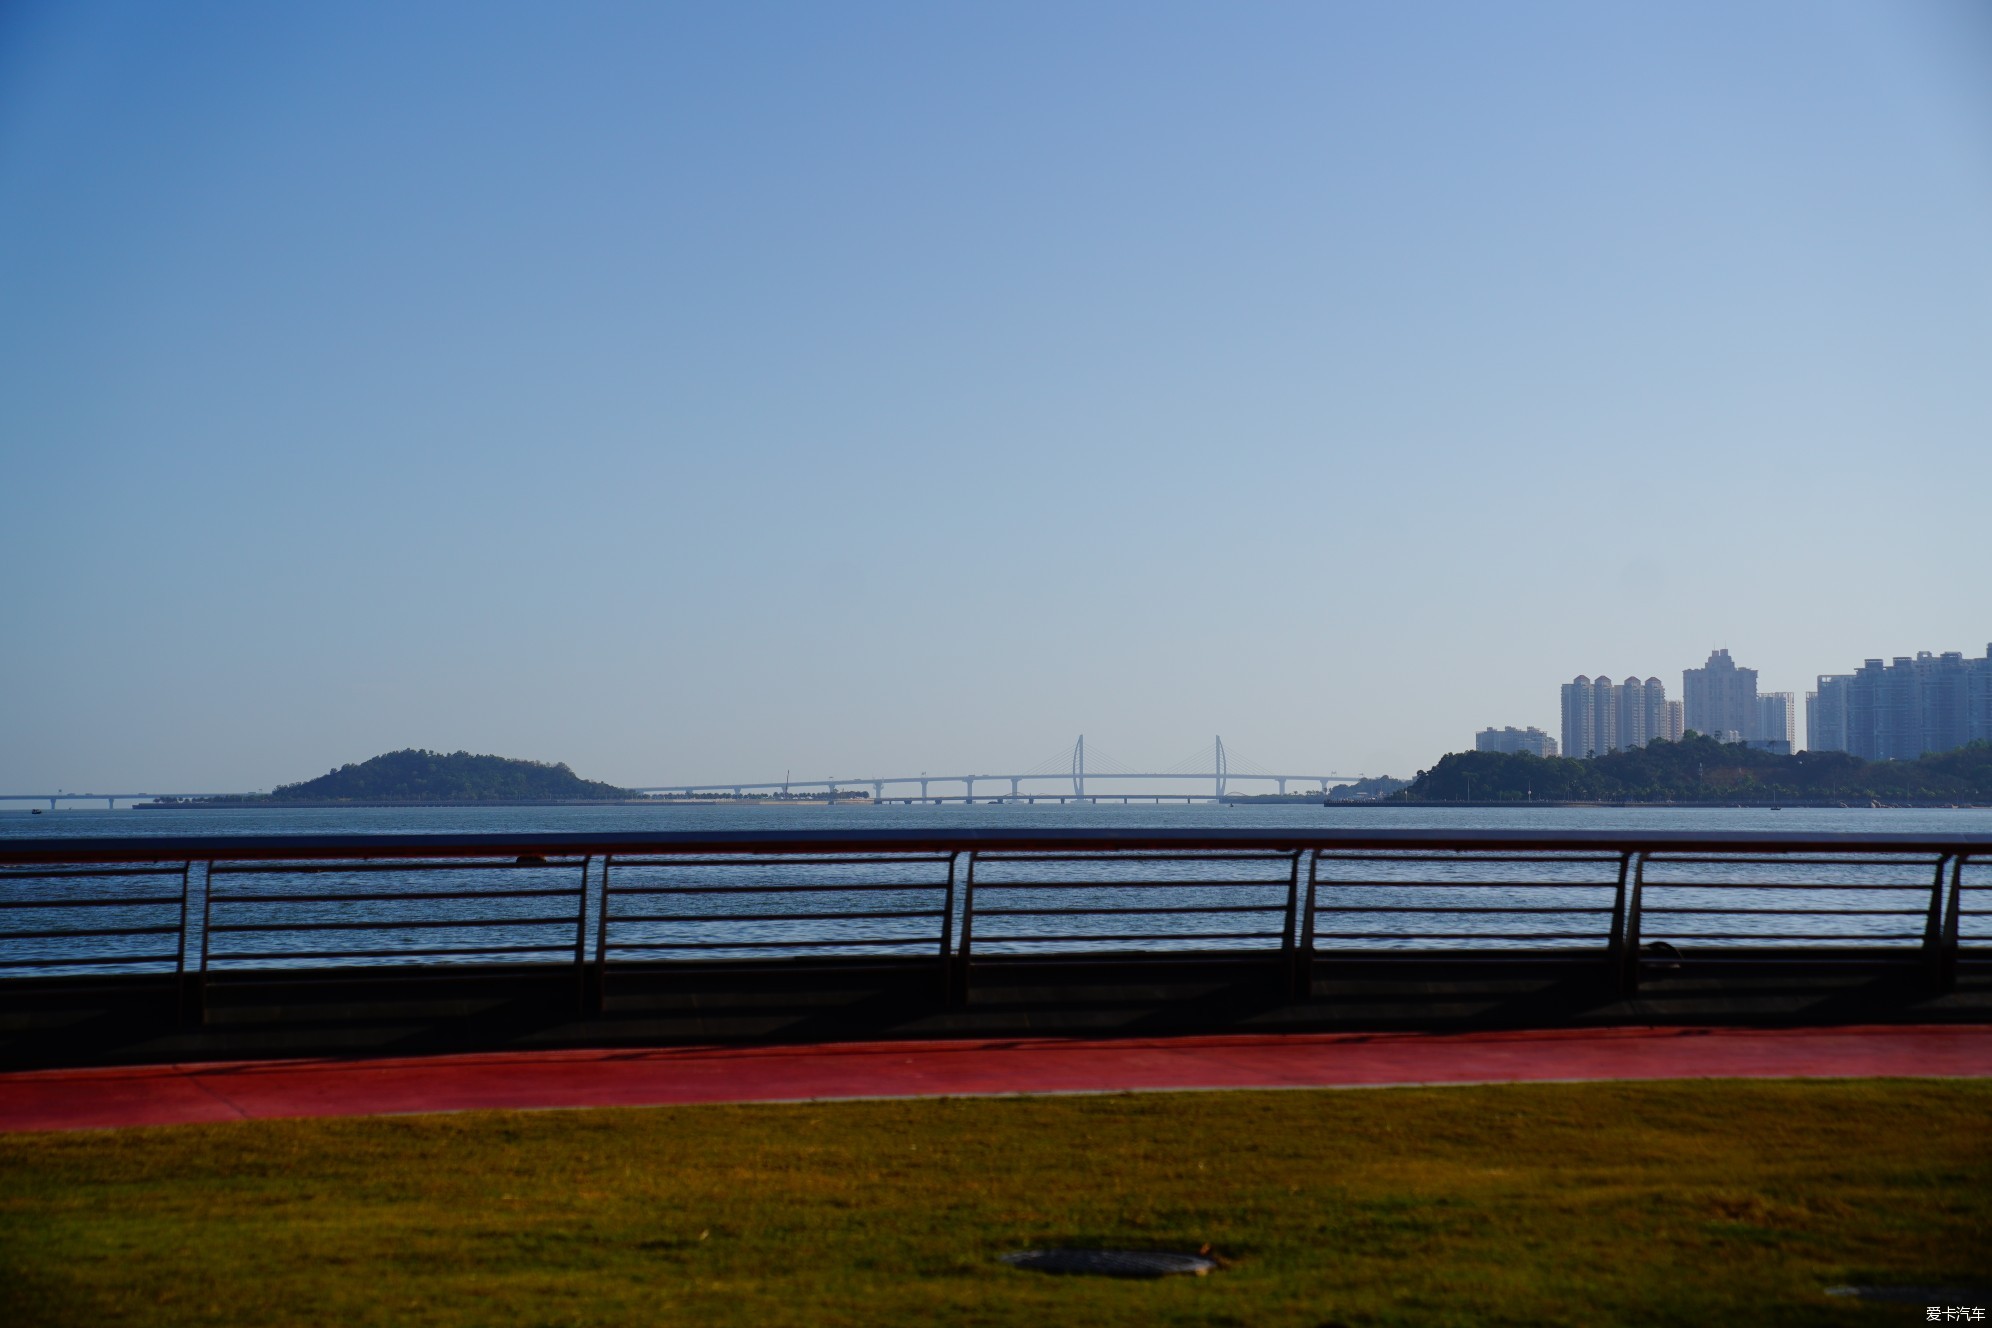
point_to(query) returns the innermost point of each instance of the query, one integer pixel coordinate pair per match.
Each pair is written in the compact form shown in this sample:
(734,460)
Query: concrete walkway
(183,1094)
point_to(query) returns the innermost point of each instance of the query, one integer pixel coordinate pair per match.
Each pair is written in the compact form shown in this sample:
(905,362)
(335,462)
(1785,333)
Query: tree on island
(414,775)
(1700,769)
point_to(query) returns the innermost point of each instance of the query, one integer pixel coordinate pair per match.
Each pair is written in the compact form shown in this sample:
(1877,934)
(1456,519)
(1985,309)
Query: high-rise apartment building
(1581,737)
(1931,703)
(1601,716)
(1826,713)
(1642,712)
(1978,699)
(1531,741)
(1777,723)
(1720,698)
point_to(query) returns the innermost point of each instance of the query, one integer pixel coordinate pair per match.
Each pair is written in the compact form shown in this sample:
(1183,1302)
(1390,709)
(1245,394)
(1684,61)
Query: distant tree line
(1375,788)
(422,776)
(1700,769)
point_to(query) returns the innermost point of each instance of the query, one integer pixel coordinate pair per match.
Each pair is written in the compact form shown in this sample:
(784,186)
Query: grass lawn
(1669,1203)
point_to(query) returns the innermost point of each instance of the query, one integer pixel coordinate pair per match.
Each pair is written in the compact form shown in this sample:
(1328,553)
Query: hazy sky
(703,391)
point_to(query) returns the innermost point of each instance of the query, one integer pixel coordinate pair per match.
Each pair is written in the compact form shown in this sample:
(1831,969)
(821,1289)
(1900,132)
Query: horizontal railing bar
(400,952)
(82,961)
(66,873)
(1123,884)
(1469,857)
(265,867)
(139,901)
(1007,938)
(1460,908)
(1590,937)
(68,934)
(1783,936)
(988,842)
(390,925)
(925,942)
(775,917)
(1197,910)
(1873,957)
(620,888)
(1663,858)
(749,858)
(1327,883)
(1114,855)
(390,896)
(1651,884)
(1652,909)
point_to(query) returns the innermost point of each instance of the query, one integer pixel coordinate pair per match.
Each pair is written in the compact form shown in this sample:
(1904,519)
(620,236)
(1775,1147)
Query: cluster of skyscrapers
(1931,703)
(1602,716)
(1898,711)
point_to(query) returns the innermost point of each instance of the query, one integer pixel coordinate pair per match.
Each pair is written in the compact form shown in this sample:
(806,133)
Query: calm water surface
(82,822)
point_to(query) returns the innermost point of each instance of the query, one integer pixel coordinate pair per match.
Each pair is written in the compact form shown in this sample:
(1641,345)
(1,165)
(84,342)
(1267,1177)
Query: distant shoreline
(1103,799)
(260,805)
(1762,805)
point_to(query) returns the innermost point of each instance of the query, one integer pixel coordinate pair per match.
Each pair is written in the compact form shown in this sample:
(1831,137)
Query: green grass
(1672,1203)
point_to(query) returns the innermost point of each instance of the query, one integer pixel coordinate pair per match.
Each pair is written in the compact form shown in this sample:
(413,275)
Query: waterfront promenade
(185,950)
(187,1094)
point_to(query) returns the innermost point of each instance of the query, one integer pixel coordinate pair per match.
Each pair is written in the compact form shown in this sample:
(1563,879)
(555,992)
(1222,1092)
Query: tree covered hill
(1700,769)
(422,776)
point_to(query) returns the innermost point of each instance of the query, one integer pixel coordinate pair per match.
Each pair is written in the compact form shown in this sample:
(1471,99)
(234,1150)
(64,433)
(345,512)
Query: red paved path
(179,1094)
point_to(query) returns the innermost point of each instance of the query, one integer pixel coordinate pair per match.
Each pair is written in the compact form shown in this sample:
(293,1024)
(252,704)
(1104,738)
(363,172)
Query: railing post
(1947,946)
(186,1000)
(1933,926)
(584,993)
(963,959)
(1629,955)
(599,989)
(194,1003)
(1289,958)
(947,934)
(1615,947)
(1304,961)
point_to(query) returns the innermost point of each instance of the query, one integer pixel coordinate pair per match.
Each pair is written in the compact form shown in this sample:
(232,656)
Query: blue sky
(699,392)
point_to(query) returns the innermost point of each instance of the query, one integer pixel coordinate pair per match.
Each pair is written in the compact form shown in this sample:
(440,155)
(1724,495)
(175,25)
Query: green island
(1700,769)
(414,775)
(1693,1202)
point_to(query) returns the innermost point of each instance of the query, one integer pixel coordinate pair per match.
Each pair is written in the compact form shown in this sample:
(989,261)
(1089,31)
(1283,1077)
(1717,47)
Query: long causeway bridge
(1061,779)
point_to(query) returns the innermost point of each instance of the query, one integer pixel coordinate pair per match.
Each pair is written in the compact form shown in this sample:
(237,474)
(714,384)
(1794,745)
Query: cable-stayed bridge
(1207,775)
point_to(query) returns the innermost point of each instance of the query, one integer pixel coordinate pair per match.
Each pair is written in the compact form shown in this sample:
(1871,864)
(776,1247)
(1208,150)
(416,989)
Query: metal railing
(34,923)
(699,904)
(968,898)
(264,911)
